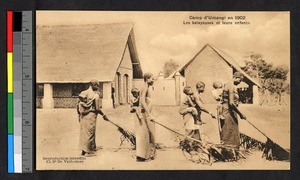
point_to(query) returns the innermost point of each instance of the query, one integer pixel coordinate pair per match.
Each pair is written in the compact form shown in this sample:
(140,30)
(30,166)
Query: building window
(126,88)
(40,90)
(77,88)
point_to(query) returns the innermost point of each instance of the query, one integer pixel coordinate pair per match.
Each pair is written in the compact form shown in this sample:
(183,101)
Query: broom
(271,150)
(126,135)
(198,151)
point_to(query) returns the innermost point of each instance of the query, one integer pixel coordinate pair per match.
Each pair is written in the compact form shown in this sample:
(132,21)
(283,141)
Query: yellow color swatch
(10,72)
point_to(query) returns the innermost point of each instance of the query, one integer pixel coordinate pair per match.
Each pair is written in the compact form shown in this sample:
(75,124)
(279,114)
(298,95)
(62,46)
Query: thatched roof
(227,58)
(79,53)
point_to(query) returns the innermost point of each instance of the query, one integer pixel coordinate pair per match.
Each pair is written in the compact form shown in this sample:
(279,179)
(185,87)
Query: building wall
(164,92)
(123,79)
(64,98)
(138,83)
(182,84)
(63,95)
(208,67)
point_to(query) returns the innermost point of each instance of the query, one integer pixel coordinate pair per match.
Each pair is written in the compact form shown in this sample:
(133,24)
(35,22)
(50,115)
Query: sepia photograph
(163,90)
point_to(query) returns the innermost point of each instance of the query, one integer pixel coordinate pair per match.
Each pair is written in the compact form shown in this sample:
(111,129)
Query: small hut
(212,64)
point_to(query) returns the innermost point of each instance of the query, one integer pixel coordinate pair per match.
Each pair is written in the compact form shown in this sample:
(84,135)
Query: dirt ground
(58,140)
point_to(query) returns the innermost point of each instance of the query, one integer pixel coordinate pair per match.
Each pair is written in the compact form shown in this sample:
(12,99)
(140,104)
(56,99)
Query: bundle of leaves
(207,153)
(250,143)
(126,135)
(195,151)
(271,150)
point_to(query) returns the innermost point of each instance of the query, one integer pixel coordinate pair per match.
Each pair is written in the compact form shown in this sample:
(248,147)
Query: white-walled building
(69,57)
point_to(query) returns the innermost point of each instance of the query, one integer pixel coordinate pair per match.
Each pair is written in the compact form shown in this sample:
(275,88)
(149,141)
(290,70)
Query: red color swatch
(9,31)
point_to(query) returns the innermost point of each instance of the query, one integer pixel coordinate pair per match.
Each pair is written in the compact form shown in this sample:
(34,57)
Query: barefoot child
(135,102)
(189,105)
(217,94)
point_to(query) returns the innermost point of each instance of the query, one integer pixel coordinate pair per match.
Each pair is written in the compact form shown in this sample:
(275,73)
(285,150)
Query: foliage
(272,78)
(169,67)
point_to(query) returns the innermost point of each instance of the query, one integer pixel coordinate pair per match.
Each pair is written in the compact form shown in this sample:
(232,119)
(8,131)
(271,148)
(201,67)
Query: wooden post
(48,101)
(255,95)
(107,100)
(177,88)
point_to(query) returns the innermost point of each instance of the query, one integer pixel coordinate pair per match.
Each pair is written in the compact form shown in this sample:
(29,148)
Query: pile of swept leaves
(207,153)
(271,150)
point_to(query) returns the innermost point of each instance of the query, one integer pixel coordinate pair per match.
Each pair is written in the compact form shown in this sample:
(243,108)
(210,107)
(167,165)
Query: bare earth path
(58,137)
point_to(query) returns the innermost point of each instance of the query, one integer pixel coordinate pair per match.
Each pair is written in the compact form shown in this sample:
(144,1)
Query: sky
(161,36)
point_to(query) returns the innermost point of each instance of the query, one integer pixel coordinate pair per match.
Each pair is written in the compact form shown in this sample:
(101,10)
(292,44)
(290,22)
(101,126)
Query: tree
(169,67)
(272,78)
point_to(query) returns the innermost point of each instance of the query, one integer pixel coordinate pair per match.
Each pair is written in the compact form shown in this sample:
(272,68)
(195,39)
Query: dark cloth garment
(113,96)
(197,107)
(225,94)
(135,101)
(199,113)
(230,134)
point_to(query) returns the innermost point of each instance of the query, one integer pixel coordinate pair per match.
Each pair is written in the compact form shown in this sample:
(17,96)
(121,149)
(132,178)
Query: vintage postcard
(162,90)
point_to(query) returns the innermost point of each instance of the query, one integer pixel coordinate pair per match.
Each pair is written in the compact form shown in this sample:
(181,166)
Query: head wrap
(238,74)
(186,89)
(217,84)
(94,82)
(147,76)
(135,90)
(200,84)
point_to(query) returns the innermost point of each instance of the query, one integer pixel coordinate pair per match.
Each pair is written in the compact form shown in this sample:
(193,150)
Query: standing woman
(230,134)
(88,108)
(145,139)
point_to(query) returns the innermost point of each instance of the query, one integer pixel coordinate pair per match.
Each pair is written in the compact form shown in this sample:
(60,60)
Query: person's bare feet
(140,159)
(88,154)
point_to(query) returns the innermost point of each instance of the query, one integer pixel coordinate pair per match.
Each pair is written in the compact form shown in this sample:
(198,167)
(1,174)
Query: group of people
(141,105)
(227,110)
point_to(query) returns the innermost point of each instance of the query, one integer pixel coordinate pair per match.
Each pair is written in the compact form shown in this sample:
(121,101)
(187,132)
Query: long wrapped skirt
(88,131)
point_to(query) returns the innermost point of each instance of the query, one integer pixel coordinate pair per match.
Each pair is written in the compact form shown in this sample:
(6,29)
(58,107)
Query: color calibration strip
(20,91)
(10,106)
(27,92)
(17,80)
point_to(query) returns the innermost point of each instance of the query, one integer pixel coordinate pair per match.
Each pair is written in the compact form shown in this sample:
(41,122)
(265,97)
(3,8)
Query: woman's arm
(97,104)
(200,105)
(231,102)
(97,107)
(143,99)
